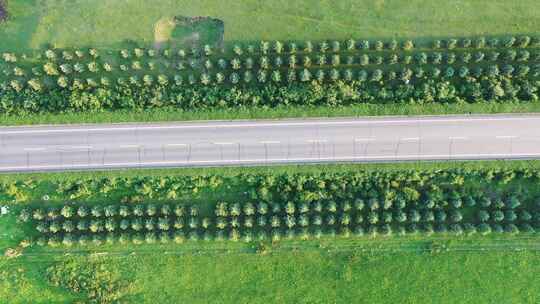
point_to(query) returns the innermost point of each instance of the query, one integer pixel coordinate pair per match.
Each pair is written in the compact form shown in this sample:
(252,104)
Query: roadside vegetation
(317,75)
(184,221)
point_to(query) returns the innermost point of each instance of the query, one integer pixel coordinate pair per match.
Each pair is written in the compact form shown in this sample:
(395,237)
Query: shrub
(392,45)
(408,45)
(509,42)
(466,43)
(336,46)
(451,44)
(351,45)
(523,41)
(493,42)
(51,69)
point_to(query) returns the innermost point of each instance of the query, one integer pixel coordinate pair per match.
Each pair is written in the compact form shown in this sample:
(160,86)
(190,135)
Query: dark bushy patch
(3,10)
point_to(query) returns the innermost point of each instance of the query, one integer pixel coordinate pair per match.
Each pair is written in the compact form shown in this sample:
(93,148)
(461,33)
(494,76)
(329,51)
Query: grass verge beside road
(171,114)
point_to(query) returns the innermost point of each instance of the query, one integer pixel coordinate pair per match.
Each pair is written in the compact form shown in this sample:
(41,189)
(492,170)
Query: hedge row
(272,95)
(412,185)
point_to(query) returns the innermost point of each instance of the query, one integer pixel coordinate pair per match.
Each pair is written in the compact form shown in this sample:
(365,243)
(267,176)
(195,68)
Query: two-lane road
(268,142)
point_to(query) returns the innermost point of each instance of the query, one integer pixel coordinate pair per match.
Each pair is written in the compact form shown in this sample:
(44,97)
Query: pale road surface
(63,147)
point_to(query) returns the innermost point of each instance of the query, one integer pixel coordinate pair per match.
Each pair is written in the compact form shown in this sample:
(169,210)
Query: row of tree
(279,77)
(152,237)
(267,63)
(111,211)
(292,47)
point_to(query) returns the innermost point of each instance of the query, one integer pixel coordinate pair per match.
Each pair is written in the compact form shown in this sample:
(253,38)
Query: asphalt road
(47,148)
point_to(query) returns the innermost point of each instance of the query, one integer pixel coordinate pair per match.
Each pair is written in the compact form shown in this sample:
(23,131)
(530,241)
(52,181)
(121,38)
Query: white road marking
(364,139)
(411,139)
(34,149)
(281,160)
(505,137)
(130,146)
(457,138)
(316,141)
(414,121)
(176,145)
(270,142)
(80,147)
(223,143)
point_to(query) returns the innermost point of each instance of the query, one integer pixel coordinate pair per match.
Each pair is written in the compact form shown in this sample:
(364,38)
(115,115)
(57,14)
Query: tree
(97,211)
(179,210)
(336,60)
(351,45)
(165,210)
(484,229)
(364,45)
(525,216)
(422,58)
(428,216)
(377,75)
(303,208)
(38,214)
(96,226)
(111,225)
(334,75)
(290,208)
(373,218)
(440,216)
(276,208)
(276,76)
(336,46)
(485,202)
(330,220)
(264,63)
(512,202)
(483,216)
(457,229)
(82,225)
(331,206)
(511,229)
(451,44)
(414,216)
(408,45)
(456,203)
(163,223)
(509,42)
(364,59)
(345,219)
(305,75)
(110,211)
(497,216)
(124,224)
(456,216)
(292,61)
(136,224)
(248,76)
(25,214)
(42,227)
(510,215)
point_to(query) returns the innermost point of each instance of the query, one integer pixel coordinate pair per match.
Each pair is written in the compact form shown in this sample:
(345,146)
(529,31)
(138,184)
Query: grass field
(108,23)
(379,271)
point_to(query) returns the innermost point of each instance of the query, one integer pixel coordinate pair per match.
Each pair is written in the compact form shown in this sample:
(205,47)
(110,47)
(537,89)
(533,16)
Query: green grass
(371,271)
(108,23)
(163,115)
